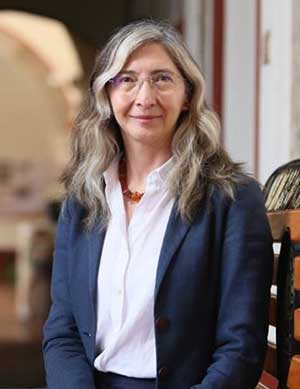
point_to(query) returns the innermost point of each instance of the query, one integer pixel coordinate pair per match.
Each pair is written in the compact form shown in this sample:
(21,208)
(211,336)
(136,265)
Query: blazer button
(163,372)
(162,323)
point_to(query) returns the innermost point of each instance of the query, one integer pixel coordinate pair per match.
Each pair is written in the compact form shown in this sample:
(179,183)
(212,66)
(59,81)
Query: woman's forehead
(150,56)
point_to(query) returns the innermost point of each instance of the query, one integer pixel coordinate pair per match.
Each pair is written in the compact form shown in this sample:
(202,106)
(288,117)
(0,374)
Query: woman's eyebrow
(164,70)
(127,72)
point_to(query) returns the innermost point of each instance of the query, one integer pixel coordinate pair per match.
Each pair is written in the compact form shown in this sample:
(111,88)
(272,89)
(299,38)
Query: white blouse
(127,273)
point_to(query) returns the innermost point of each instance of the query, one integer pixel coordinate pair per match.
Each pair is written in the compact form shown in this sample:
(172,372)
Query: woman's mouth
(145,118)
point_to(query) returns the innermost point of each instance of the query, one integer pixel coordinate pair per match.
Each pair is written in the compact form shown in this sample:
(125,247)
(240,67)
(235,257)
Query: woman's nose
(145,95)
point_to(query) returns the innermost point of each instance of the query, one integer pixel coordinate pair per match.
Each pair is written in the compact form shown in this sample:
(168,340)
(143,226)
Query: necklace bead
(133,196)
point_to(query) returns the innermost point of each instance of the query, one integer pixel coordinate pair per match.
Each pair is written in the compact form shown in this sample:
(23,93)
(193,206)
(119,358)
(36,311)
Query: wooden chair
(283,355)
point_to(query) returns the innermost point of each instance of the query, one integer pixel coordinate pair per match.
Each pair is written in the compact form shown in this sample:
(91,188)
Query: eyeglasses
(129,82)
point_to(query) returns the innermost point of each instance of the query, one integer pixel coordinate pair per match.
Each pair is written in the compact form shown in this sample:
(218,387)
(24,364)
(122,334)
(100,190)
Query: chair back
(283,355)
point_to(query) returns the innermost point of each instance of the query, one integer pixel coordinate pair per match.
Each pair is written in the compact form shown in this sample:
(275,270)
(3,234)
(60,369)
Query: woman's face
(147,97)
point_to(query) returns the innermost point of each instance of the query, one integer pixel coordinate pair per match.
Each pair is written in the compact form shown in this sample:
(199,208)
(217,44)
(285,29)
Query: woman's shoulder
(247,185)
(244,188)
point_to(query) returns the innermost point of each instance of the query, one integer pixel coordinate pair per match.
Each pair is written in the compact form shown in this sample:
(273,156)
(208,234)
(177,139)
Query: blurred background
(249,52)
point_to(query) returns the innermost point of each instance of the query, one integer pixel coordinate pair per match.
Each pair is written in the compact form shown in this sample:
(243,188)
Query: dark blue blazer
(212,290)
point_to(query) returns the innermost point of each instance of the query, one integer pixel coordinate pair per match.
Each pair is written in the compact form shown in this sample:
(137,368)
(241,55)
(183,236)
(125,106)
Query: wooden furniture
(283,355)
(21,359)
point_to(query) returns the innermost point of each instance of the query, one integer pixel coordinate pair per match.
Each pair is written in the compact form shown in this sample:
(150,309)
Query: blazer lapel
(175,232)
(95,243)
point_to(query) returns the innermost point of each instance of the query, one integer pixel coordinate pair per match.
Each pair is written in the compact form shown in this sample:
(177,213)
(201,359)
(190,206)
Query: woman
(163,253)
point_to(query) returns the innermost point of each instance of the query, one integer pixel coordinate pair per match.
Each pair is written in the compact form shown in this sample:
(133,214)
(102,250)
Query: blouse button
(163,372)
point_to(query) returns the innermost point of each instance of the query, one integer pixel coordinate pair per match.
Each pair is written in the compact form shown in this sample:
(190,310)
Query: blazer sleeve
(66,364)
(244,295)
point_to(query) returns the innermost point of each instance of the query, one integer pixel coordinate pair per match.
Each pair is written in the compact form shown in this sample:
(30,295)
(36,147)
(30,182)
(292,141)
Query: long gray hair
(200,161)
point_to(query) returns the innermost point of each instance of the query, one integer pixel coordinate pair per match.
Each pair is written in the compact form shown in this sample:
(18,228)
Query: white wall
(193,28)
(240,94)
(239,80)
(295,126)
(198,34)
(275,90)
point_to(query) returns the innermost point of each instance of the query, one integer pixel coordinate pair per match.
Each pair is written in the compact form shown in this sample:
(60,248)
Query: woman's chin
(147,139)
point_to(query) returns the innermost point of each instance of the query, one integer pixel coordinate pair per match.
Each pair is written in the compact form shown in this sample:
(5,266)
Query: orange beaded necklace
(133,196)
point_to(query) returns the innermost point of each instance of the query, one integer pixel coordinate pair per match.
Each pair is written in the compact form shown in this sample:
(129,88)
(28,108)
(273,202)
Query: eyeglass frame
(150,79)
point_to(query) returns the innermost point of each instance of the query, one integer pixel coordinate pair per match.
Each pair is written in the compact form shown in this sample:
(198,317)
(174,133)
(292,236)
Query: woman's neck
(139,163)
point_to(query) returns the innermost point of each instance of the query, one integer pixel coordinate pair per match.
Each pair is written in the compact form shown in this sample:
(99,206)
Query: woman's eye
(164,77)
(125,79)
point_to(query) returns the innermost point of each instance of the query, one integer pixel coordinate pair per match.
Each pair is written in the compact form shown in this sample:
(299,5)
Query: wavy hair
(201,163)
